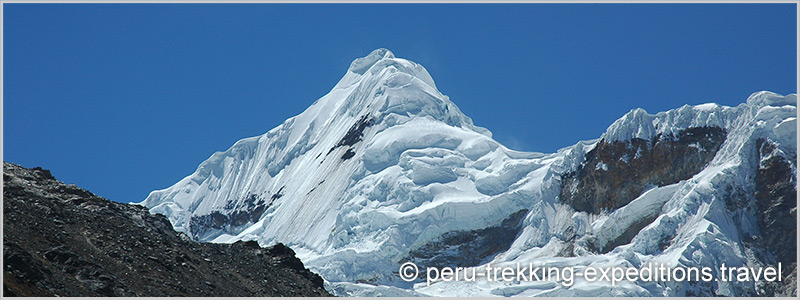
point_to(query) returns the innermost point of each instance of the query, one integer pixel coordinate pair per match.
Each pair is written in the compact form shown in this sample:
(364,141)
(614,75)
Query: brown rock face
(468,248)
(614,173)
(61,240)
(776,202)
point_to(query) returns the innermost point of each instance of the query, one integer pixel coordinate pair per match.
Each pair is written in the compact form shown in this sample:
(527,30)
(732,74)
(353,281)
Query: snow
(707,107)
(639,124)
(363,64)
(422,169)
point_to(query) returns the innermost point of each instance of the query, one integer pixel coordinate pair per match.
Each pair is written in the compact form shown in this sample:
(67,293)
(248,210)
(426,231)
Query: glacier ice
(385,163)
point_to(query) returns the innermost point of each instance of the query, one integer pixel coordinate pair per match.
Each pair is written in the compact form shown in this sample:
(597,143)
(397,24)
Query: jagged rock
(615,173)
(776,201)
(248,212)
(468,248)
(355,133)
(60,240)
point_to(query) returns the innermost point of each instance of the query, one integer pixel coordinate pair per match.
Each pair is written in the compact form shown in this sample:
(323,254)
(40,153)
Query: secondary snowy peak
(639,124)
(740,190)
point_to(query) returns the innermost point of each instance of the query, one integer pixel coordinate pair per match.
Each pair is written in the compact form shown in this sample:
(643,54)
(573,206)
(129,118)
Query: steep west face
(60,240)
(385,169)
(381,165)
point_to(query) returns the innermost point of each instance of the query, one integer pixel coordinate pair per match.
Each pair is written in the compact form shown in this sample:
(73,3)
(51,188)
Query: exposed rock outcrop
(776,202)
(614,173)
(60,240)
(468,248)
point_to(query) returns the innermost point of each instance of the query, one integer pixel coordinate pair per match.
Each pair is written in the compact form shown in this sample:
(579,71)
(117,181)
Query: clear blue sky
(123,99)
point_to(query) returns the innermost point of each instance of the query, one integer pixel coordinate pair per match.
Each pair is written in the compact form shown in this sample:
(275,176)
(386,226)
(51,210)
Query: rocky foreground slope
(61,240)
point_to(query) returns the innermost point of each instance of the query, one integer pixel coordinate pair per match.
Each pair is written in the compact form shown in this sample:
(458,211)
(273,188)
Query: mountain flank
(385,169)
(61,240)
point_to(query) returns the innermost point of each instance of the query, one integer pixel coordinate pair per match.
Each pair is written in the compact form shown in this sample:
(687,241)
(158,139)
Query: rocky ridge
(61,240)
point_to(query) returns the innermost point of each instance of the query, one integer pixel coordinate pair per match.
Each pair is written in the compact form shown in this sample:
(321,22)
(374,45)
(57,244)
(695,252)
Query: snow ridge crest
(639,124)
(361,65)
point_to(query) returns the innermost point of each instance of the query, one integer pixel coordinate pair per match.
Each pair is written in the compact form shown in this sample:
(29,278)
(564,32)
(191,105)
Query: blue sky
(123,99)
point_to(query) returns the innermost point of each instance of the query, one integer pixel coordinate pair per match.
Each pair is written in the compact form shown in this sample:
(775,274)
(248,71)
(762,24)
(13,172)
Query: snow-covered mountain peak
(382,107)
(380,63)
(361,65)
(395,90)
(385,169)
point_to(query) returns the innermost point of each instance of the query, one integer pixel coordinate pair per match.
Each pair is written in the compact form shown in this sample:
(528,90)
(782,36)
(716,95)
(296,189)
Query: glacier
(386,169)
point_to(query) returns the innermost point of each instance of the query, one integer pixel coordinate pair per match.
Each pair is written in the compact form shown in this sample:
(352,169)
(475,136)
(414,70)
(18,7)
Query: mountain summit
(385,169)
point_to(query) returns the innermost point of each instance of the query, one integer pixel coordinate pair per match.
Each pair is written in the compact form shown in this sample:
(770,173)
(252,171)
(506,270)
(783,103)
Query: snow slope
(693,225)
(385,164)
